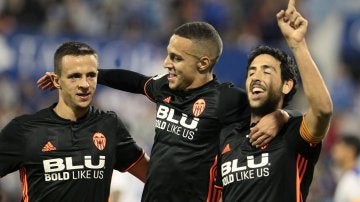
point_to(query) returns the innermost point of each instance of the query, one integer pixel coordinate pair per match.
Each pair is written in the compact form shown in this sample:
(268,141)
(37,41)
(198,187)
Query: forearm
(314,87)
(124,80)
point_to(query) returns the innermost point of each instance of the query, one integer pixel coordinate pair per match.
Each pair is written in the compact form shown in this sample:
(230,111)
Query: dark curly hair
(287,65)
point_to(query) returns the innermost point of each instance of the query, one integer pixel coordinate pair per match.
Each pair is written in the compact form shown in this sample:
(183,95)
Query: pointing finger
(291,3)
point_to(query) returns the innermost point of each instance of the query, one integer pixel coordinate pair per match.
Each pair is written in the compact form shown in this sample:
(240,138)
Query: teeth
(257,90)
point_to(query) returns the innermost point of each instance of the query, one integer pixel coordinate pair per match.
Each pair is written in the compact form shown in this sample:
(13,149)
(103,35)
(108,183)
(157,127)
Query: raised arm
(294,28)
(124,80)
(120,79)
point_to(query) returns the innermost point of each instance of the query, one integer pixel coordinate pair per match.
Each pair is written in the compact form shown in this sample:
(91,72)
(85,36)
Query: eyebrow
(264,67)
(76,74)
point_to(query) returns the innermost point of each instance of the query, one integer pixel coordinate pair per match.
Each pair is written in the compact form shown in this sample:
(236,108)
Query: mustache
(256,83)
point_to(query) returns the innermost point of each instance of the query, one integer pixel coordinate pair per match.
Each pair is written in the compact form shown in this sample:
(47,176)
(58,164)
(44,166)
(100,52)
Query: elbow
(326,109)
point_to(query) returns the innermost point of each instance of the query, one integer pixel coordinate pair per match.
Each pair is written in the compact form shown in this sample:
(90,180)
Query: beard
(269,105)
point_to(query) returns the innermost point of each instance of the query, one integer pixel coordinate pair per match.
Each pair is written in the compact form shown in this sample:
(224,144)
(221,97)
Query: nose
(84,83)
(257,75)
(167,63)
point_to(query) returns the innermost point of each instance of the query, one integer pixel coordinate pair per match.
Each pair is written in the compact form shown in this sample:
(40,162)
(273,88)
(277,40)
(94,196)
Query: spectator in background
(345,154)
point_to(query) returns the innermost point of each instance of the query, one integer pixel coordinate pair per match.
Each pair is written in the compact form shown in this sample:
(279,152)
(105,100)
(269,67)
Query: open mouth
(171,76)
(257,90)
(84,96)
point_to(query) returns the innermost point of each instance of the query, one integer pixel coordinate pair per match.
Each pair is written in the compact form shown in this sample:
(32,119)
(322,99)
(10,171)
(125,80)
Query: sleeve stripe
(25,196)
(214,193)
(306,135)
(301,167)
(145,91)
(133,164)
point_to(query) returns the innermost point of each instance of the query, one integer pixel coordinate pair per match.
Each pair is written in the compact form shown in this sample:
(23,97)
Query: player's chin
(255,104)
(84,103)
(173,85)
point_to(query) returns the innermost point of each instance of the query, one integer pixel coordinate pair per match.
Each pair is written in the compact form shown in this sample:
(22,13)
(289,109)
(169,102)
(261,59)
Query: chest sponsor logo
(99,140)
(199,107)
(252,168)
(178,124)
(59,169)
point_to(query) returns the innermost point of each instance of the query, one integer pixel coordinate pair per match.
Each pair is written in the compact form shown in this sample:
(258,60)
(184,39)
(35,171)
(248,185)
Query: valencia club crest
(199,107)
(99,140)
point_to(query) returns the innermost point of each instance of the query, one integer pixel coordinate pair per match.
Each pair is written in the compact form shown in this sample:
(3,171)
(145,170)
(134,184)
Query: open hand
(45,83)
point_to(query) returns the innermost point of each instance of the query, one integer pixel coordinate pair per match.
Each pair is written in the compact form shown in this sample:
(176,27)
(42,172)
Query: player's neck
(202,80)
(255,119)
(66,112)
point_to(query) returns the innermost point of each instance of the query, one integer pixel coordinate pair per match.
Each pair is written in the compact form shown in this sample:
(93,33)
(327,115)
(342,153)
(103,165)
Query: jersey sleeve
(156,86)
(12,148)
(124,80)
(298,137)
(128,153)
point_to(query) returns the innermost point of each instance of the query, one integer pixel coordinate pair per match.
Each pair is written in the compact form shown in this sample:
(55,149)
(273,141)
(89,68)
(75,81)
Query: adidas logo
(226,149)
(48,147)
(168,99)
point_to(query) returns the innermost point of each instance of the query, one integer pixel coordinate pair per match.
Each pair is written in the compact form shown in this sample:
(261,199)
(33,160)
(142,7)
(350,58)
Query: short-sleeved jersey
(280,171)
(188,123)
(61,160)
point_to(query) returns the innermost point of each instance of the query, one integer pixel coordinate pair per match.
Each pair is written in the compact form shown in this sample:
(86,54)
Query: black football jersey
(61,160)
(280,171)
(183,161)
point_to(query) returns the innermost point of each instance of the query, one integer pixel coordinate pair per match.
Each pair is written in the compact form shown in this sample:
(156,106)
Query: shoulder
(295,118)
(228,89)
(156,85)
(36,116)
(97,112)
(160,79)
(24,122)
(231,96)
(235,128)
(293,126)
(105,118)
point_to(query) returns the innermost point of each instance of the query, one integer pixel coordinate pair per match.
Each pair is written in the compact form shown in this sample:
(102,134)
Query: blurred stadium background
(134,34)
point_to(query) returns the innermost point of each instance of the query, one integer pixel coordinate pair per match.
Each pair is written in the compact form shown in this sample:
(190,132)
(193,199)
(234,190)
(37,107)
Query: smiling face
(77,81)
(264,86)
(182,63)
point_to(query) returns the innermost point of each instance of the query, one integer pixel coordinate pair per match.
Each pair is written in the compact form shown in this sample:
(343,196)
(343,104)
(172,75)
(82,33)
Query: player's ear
(55,80)
(204,63)
(287,86)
